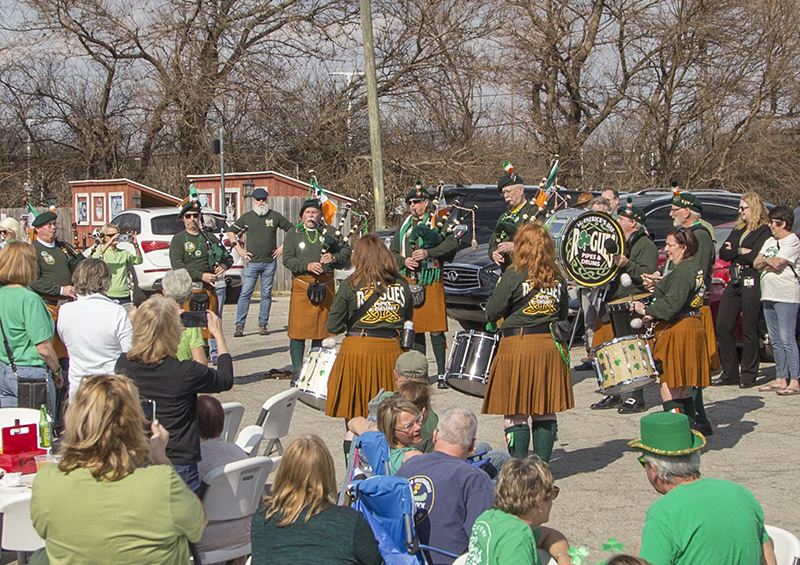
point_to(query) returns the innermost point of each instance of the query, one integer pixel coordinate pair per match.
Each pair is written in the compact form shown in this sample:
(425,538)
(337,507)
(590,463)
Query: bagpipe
(334,238)
(73,256)
(217,254)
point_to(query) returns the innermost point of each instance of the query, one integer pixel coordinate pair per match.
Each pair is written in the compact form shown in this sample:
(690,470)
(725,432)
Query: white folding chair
(249,439)
(276,415)
(234,411)
(8,416)
(18,533)
(461,560)
(234,491)
(545,558)
(786,544)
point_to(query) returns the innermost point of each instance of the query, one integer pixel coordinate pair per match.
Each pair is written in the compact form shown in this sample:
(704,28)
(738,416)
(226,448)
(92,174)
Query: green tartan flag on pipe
(552,177)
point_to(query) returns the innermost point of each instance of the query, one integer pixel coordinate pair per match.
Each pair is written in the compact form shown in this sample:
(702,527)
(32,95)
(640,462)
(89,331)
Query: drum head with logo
(587,246)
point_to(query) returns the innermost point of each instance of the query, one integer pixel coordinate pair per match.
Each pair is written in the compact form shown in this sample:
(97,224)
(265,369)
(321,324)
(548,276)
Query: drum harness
(355,316)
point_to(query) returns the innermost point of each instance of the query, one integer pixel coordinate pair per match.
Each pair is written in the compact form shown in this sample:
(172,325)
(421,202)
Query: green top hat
(686,200)
(668,433)
(191,206)
(311,203)
(43,218)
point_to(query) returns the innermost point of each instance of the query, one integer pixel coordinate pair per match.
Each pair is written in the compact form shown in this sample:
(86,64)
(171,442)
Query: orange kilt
(603,332)
(528,376)
(681,348)
(363,367)
(307,320)
(432,315)
(711,338)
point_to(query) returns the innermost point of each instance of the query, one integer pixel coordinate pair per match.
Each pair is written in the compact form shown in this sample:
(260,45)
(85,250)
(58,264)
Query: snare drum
(313,379)
(470,359)
(624,364)
(619,312)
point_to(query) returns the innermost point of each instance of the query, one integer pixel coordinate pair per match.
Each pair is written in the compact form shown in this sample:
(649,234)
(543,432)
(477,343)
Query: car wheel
(232,294)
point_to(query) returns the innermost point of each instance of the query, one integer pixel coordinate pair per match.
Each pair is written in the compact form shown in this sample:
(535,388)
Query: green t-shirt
(708,521)
(146,517)
(499,538)
(547,305)
(262,233)
(26,322)
(118,261)
(190,338)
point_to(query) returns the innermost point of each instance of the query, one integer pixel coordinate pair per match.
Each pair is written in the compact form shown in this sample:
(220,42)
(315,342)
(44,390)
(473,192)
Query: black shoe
(704,429)
(724,381)
(585,366)
(747,384)
(607,403)
(632,406)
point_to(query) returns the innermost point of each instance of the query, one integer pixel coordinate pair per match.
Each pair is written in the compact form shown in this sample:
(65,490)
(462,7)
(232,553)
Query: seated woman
(401,422)
(95,329)
(215,453)
(302,524)
(174,384)
(510,532)
(102,503)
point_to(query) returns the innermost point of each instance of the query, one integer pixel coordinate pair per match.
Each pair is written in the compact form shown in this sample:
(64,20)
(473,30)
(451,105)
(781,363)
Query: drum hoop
(562,250)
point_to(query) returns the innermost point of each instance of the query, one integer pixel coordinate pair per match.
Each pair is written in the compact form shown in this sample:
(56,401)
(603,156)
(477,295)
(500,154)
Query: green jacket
(679,292)
(190,252)
(642,259)
(706,250)
(52,269)
(388,312)
(547,305)
(444,251)
(508,224)
(301,247)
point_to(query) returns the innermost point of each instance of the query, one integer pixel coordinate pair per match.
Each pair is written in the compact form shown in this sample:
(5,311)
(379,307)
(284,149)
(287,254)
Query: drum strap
(523,301)
(368,303)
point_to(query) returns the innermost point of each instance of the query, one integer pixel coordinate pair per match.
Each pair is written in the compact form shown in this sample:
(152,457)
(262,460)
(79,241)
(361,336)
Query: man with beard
(261,225)
(501,243)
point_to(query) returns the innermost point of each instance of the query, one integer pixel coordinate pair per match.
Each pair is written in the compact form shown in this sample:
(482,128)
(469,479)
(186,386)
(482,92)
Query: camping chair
(369,455)
(233,417)
(231,492)
(275,417)
(787,546)
(18,533)
(249,439)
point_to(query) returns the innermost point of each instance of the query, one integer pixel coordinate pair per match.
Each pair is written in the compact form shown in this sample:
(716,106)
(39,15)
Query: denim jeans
(8,383)
(222,293)
(190,476)
(249,276)
(781,318)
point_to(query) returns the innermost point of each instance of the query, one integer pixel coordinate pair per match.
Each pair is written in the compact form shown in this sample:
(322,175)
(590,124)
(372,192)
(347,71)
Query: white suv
(154,228)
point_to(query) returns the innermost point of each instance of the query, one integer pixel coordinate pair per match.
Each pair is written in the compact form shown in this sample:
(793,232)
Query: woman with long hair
(742,294)
(9,231)
(104,502)
(26,324)
(303,524)
(529,376)
(173,384)
(680,336)
(370,307)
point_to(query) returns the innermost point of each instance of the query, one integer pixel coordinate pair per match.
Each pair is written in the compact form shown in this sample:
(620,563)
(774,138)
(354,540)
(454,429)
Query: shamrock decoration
(613,546)
(631,347)
(637,366)
(617,362)
(601,356)
(583,239)
(577,555)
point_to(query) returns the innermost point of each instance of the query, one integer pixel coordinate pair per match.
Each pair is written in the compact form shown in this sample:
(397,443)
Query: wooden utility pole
(374,117)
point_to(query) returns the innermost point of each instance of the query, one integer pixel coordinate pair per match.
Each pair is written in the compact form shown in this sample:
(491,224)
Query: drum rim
(562,251)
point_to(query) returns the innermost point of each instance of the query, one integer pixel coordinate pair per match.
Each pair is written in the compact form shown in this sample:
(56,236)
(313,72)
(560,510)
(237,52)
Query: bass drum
(313,378)
(585,243)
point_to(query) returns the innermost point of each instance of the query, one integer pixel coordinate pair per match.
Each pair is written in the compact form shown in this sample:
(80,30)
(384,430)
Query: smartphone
(149,409)
(194,319)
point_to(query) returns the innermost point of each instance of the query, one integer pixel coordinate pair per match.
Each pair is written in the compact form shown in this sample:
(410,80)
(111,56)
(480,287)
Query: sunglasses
(3,232)
(776,222)
(642,462)
(413,202)
(556,490)
(193,216)
(260,199)
(743,208)
(417,420)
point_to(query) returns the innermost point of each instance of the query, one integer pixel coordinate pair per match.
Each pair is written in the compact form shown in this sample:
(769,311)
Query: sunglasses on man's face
(260,199)
(191,216)
(414,202)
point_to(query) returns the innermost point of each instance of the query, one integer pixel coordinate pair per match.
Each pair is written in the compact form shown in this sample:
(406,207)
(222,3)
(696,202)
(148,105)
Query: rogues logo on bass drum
(587,247)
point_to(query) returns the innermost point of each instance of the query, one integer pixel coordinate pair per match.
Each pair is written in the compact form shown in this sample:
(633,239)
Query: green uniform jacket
(547,305)
(262,233)
(190,252)
(642,259)
(445,250)
(679,292)
(52,269)
(706,250)
(508,224)
(300,249)
(388,312)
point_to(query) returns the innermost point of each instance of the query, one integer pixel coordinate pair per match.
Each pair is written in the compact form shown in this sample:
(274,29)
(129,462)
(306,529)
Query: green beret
(43,218)
(191,206)
(508,179)
(632,212)
(311,203)
(417,192)
(686,200)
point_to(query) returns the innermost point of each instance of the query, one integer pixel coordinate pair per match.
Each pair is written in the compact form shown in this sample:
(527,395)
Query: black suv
(470,279)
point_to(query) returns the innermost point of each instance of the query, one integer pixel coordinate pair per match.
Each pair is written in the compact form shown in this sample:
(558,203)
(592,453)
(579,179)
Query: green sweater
(262,233)
(679,292)
(190,252)
(52,269)
(301,247)
(547,305)
(388,312)
(642,259)
(444,251)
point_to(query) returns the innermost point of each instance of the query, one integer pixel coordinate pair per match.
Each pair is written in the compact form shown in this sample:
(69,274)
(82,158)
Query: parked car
(154,228)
